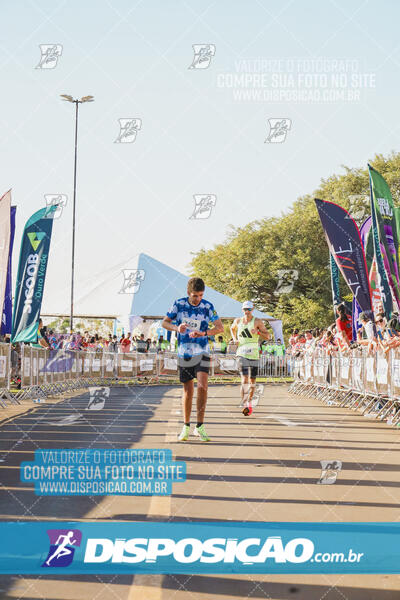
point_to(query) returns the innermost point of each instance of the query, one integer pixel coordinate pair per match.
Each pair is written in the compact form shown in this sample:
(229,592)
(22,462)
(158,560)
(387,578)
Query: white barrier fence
(41,372)
(357,380)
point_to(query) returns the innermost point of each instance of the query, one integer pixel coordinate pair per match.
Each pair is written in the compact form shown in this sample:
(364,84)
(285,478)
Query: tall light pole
(76,102)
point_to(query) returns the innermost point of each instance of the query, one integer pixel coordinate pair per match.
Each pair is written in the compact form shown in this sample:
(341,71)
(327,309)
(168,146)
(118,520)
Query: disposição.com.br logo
(62,547)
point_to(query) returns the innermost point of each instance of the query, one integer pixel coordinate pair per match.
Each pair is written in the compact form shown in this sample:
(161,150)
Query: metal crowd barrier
(369,383)
(38,373)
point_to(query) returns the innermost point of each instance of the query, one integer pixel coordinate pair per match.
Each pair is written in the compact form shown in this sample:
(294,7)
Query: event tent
(162,284)
(143,288)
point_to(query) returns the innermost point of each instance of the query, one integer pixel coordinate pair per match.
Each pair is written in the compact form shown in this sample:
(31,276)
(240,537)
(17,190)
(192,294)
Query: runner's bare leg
(252,388)
(202,389)
(187,399)
(244,389)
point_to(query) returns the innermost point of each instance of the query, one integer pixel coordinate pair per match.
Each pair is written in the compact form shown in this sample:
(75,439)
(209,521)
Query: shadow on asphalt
(119,425)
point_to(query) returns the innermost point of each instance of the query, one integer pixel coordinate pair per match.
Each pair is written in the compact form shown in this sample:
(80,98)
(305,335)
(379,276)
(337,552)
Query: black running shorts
(188,368)
(248,367)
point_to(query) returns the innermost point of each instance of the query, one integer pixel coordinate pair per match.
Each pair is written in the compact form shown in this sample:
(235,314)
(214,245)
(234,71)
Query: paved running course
(260,468)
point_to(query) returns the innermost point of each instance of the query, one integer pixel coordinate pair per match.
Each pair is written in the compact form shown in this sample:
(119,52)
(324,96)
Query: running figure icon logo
(358,208)
(203,54)
(98,396)
(59,200)
(203,205)
(128,129)
(50,53)
(278,130)
(132,280)
(287,278)
(61,551)
(329,471)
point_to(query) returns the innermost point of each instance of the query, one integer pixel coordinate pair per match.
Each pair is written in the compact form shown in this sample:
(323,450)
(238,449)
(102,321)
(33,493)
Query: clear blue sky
(197,136)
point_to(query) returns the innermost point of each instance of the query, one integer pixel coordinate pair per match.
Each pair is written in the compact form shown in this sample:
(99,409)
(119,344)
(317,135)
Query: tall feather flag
(386,244)
(344,242)
(5,232)
(336,297)
(32,266)
(6,320)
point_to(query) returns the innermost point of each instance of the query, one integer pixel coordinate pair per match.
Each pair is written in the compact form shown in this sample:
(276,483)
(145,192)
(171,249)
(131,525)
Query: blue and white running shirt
(196,318)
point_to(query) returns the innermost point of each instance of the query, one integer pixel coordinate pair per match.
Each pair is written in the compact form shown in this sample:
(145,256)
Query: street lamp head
(83,99)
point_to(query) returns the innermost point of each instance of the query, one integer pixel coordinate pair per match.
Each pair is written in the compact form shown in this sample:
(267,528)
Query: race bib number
(247,350)
(193,324)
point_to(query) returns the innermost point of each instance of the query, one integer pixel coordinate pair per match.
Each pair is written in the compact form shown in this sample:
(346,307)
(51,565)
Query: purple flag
(356,310)
(6,320)
(344,242)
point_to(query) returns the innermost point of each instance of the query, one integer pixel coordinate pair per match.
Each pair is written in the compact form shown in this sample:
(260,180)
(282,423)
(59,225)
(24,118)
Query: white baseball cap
(248,304)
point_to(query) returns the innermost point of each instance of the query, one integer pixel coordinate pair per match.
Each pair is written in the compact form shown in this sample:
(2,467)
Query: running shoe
(247,410)
(201,433)
(184,434)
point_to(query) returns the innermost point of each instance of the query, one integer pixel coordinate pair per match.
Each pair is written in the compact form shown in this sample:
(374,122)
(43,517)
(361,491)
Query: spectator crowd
(88,342)
(377,334)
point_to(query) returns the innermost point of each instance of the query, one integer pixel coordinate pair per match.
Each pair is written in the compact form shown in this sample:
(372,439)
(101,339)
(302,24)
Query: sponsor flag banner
(397,220)
(336,297)
(385,239)
(367,237)
(7,308)
(31,275)
(367,241)
(53,547)
(5,231)
(345,245)
(58,361)
(368,245)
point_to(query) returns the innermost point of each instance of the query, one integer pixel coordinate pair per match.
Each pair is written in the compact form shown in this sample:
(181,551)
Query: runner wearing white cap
(246,331)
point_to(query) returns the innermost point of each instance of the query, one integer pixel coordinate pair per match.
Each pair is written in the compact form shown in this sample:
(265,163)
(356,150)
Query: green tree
(247,265)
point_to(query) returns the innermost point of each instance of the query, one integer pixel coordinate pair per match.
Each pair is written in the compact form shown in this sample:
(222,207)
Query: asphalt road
(260,468)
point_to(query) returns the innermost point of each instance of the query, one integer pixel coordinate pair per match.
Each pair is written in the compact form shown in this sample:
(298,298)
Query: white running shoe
(201,433)
(184,434)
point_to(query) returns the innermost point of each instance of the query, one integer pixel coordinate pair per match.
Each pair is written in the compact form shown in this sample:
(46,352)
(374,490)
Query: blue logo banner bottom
(199,548)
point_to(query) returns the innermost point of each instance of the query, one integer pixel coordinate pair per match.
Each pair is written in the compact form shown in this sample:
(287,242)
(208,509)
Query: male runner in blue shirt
(191,316)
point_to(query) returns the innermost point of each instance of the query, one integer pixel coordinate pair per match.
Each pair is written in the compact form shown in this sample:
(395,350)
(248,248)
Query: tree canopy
(249,264)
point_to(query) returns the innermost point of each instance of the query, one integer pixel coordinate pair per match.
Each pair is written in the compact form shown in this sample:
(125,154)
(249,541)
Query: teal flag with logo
(336,296)
(385,237)
(33,258)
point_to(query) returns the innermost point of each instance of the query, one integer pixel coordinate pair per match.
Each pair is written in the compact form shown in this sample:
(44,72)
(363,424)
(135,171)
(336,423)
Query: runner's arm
(216,328)
(234,330)
(167,324)
(262,330)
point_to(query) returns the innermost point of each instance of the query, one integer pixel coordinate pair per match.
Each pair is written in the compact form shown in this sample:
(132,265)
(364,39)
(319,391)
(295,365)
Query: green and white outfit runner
(248,350)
